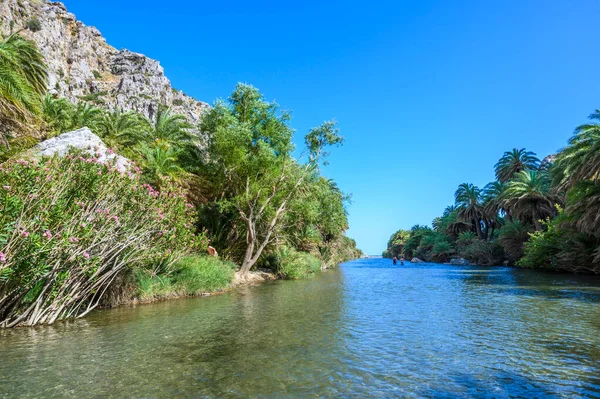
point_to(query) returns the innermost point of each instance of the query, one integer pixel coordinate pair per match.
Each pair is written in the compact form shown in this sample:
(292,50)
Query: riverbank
(168,293)
(254,277)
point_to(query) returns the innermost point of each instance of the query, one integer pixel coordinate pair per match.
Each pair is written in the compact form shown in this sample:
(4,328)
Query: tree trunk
(478,228)
(250,241)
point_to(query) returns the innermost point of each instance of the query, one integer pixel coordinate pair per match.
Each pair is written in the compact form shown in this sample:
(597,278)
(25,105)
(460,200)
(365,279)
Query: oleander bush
(69,226)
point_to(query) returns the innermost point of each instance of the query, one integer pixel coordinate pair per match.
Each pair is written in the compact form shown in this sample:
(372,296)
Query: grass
(294,265)
(191,276)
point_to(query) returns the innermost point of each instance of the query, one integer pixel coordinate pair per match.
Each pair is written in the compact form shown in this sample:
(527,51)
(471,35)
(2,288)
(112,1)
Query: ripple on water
(366,330)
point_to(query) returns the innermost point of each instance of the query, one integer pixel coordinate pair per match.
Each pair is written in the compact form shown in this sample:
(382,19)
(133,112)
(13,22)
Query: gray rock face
(416,260)
(459,262)
(82,66)
(82,139)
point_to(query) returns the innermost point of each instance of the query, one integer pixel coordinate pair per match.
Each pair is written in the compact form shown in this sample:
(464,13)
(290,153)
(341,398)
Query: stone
(84,140)
(212,251)
(459,262)
(416,260)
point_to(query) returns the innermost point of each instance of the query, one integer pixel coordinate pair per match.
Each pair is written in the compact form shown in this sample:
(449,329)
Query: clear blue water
(367,329)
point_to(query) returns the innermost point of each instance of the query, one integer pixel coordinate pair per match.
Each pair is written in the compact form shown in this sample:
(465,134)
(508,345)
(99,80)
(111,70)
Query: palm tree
(57,113)
(492,205)
(513,162)
(23,82)
(123,129)
(86,115)
(512,237)
(529,198)
(161,162)
(580,160)
(583,207)
(468,202)
(171,128)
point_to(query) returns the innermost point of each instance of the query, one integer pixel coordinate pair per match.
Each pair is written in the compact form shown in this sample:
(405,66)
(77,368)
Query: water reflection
(367,330)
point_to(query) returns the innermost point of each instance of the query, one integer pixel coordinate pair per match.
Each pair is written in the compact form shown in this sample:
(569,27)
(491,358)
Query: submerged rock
(84,140)
(417,260)
(459,262)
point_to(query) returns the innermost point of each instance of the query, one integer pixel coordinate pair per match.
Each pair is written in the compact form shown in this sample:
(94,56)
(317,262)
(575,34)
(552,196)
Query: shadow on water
(507,280)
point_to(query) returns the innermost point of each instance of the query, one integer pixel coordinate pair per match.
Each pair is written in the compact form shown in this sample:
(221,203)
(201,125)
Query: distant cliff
(82,66)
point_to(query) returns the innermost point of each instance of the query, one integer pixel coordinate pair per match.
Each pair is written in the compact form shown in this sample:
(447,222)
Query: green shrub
(198,274)
(34,25)
(150,287)
(482,252)
(178,102)
(69,226)
(192,275)
(293,265)
(96,98)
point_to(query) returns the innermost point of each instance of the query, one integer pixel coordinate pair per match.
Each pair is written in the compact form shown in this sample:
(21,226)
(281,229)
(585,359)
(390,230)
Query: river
(367,329)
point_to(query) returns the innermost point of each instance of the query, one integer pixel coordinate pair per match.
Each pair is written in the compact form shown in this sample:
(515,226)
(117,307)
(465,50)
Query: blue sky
(428,94)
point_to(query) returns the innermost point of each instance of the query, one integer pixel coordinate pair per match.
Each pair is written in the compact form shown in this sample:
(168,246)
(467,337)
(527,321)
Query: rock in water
(416,260)
(459,262)
(84,140)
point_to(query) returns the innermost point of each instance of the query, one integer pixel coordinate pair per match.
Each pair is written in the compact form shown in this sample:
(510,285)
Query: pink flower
(25,234)
(86,255)
(99,173)
(73,239)
(83,224)
(6,187)
(2,257)
(47,234)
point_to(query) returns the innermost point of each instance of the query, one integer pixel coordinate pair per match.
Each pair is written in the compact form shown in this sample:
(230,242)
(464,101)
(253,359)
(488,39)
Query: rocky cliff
(82,66)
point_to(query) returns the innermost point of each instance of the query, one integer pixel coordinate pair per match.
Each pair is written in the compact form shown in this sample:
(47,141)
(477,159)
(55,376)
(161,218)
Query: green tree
(123,129)
(580,160)
(86,115)
(512,237)
(515,161)
(252,164)
(161,163)
(58,114)
(395,246)
(468,202)
(171,128)
(529,197)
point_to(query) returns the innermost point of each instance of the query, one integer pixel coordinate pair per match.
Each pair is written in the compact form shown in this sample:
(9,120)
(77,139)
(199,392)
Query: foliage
(580,160)
(252,166)
(23,80)
(34,25)
(512,237)
(189,276)
(395,246)
(74,230)
(513,162)
(70,225)
(292,265)
(470,209)
(529,197)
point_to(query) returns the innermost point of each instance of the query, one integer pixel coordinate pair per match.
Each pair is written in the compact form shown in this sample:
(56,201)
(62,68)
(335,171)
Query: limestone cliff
(82,66)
